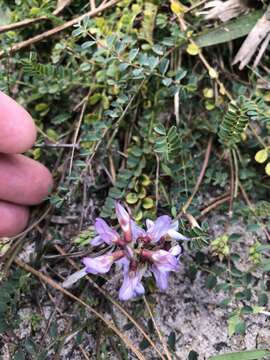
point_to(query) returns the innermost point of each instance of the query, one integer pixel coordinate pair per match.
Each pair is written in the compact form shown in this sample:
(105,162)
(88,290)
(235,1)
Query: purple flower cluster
(137,251)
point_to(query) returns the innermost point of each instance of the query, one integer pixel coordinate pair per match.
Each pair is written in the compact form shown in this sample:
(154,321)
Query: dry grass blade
(58,287)
(215,203)
(114,302)
(252,42)
(77,130)
(225,10)
(163,342)
(200,178)
(57,29)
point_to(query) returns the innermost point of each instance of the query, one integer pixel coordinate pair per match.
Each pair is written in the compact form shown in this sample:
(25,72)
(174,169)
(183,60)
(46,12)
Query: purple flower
(105,234)
(132,285)
(124,221)
(101,264)
(162,263)
(137,250)
(165,260)
(156,230)
(163,226)
(176,251)
(161,277)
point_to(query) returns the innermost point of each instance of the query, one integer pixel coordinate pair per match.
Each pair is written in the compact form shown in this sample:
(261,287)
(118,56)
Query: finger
(13,219)
(18,131)
(22,180)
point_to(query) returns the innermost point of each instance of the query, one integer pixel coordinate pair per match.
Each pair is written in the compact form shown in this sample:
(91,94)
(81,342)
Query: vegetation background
(143,102)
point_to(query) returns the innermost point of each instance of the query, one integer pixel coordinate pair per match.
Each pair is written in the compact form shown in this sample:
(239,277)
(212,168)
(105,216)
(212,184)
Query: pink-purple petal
(160,228)
(176,235)
(131,286)
(107,234)
(161,277)
(136,230)
(176,250)
(96,241)
(122,214)
(149,224)
(98,265)
(165,261)
(124,221)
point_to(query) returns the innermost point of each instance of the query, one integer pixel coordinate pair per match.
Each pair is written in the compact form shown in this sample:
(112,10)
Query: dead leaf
(257,36)
(224,10)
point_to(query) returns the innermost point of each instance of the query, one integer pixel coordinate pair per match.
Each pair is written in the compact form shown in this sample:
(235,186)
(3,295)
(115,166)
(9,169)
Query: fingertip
(18,131)
(23,180)
(13,220)
(43,184)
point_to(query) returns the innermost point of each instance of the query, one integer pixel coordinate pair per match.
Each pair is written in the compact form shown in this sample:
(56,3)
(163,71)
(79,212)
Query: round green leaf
(261,156)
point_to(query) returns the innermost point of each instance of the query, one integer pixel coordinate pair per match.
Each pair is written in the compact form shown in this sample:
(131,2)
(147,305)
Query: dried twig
(77,130)
(57,29)
(200,178)
(56,286)
(21,24)
(27,22)
(92,4)
(163,342)
(215,203)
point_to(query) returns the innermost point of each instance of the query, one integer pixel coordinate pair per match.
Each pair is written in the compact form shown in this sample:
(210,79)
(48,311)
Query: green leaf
(172,340)
(193,355)
(242,355)
(261,156)
(132,54)
(167,81)
(233,29)
(211,281)
(160,129)
(232,322)
(266,265)
(263,299)
(144,344)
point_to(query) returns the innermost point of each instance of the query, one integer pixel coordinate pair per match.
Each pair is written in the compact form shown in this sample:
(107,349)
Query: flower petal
(132,285)
(124,220)
(161,277)
(176,235)
(96,241)
(136,230)
(176,250)
(175,225)
(149,224)
(107,234)
(139,289)
(74,278)
(123,262)
(165,261)
(99,265)
(160,228)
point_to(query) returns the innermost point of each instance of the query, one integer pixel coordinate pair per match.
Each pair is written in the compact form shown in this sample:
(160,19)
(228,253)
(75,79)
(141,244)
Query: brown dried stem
(57,29)
(45,279)
(200,178)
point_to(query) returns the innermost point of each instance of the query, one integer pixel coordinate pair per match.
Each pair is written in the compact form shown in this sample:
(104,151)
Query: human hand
(23,181)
